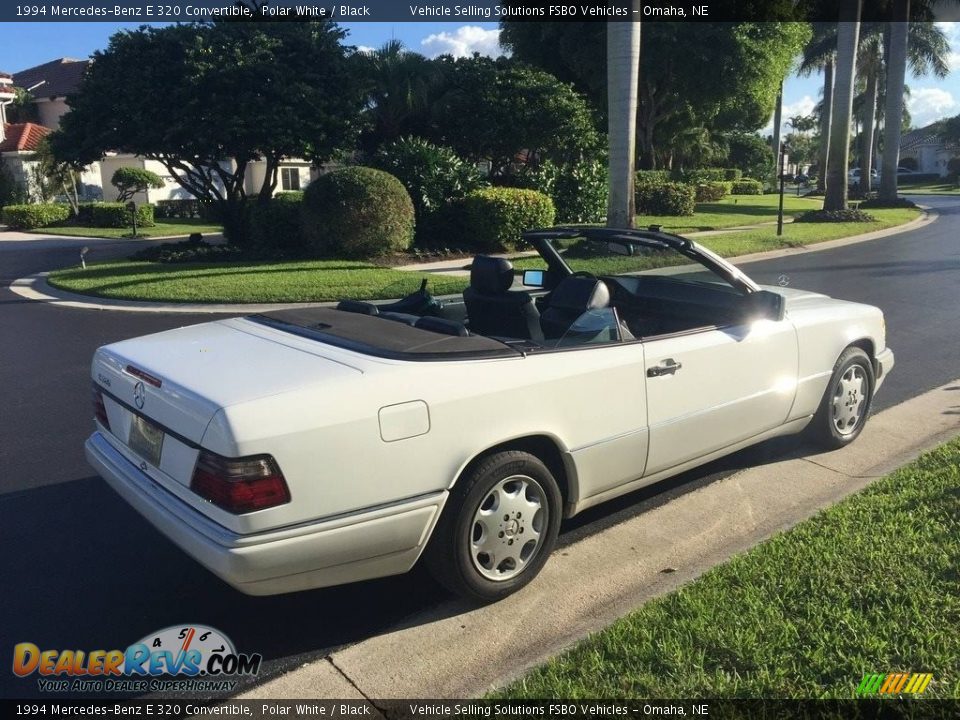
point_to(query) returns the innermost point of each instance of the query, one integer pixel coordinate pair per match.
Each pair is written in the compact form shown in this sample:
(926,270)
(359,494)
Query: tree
(11,191)
(130,180)
(495,110)
(717,75)
(623,71)
(896,72)
(819,54)
(50,177)
(206,100)
(22,109)
(402,85)
(848,34)
(750,153)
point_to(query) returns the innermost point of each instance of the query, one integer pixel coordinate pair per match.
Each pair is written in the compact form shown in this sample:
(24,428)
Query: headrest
(491,275)
(442,325)
(355,306)
(580,293)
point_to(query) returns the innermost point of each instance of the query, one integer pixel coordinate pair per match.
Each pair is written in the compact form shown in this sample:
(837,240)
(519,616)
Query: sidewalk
(458,651)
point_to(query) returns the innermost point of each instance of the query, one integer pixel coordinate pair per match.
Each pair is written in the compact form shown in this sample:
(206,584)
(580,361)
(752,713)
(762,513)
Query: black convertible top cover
(380,336)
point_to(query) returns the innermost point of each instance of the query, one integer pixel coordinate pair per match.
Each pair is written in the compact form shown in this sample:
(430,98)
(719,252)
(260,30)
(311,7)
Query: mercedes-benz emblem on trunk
(139,394)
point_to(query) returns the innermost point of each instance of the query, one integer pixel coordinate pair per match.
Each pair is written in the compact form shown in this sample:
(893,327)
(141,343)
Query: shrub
(746,186)
(275,226)
(114,215)
(357,212)
(712,191)
(495,218)
(192,250)
(131,180)
(579,189)
(30,217)
(707,175)
(670,198)
(835,216)
(184,208)
(431,174)
(652,177)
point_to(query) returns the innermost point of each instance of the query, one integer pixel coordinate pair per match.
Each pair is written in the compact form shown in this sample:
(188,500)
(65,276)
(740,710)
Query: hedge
(707,175)
(712,191)
(114,215)
(357,212)
(493,219)
(578,189)
(184,208)
(30,217)
(747,187)
(670,198)
(652,177)
(276,227)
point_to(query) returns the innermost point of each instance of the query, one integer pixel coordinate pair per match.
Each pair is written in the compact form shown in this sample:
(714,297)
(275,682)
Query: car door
(709,389)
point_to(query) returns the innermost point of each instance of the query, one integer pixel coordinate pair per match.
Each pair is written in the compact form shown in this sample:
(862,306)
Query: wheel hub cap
(507,527)
(849,399)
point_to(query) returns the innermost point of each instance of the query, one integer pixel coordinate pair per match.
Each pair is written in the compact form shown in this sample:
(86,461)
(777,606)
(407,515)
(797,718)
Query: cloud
(463,42)
(365,49)
(803,106)
(927,104)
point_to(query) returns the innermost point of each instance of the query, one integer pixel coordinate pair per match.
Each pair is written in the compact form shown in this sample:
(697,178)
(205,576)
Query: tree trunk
(870,112)
(848,34)
(623,75)
(825,124)
(896,61)
(777,121)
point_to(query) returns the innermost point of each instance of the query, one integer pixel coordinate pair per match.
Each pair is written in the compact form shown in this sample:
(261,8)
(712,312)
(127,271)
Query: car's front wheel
(498,529)
(846,403)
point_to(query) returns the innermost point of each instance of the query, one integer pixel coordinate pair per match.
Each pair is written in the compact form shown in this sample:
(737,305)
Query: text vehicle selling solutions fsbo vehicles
(311,447)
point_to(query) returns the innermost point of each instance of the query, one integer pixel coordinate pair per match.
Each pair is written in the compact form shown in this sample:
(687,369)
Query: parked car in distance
(854,177)
(311,447)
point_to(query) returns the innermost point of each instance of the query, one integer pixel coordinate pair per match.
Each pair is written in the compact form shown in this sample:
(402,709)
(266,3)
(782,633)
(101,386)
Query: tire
(498,528)
(846,402)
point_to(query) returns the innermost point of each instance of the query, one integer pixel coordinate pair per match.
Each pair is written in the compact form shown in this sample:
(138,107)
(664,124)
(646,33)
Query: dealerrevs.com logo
(180,657)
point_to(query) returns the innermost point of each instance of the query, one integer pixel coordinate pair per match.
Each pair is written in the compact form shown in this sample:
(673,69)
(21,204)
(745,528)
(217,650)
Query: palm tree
(402,83)
(896,72)
(819,54)
(848,33)
(623,78)
(870,66)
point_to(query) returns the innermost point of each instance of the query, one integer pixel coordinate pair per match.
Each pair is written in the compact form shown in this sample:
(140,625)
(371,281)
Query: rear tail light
(239,485)
(99,409)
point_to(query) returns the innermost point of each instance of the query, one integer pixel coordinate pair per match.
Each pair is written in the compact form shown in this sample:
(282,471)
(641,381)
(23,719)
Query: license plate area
(146,440)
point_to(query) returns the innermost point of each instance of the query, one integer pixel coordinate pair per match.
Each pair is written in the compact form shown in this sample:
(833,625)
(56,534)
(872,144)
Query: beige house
(52,83)
(927,148)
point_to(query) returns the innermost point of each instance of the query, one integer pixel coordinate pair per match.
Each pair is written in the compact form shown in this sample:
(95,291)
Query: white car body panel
(370,446)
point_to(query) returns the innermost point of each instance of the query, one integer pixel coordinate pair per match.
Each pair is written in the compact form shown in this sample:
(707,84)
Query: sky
(28,44)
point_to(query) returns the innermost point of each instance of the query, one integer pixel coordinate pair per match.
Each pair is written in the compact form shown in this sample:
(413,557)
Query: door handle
(667,367)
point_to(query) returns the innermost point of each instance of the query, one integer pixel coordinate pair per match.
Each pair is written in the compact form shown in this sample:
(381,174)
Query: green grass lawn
(323,280)
(743,242)
(934,188)
(303,281)
(733,211)
(168,226)
(867,586)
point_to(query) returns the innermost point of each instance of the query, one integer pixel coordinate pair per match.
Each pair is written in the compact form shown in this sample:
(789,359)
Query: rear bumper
(882,364)
(360,546)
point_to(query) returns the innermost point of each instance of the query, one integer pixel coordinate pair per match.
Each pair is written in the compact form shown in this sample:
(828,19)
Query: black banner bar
(868,709)
(165,11)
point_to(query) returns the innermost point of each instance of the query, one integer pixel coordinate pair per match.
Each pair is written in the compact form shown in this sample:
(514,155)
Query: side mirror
(767,305)
(533,278)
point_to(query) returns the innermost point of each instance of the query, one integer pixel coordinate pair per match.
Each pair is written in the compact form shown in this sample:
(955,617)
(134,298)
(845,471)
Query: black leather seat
(571,298)
(492,308)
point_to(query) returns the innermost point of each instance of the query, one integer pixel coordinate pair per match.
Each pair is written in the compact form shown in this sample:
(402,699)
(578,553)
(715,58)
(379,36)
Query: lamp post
(783,157)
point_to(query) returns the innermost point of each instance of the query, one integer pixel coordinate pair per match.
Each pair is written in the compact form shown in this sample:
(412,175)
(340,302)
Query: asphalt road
(81,570)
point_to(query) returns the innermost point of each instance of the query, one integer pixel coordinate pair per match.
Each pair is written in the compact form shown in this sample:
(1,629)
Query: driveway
(84,571)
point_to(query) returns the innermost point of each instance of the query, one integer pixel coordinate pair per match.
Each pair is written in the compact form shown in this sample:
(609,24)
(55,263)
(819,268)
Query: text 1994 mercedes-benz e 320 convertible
(312,447)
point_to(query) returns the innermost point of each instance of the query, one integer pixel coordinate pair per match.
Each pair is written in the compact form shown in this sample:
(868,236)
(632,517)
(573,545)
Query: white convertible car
(305,448)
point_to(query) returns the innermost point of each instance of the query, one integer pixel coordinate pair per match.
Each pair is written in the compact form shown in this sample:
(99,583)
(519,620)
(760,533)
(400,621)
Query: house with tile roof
(927,148)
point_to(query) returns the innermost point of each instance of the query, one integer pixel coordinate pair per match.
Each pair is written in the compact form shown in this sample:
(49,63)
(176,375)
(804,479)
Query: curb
(35,287)
(455,650)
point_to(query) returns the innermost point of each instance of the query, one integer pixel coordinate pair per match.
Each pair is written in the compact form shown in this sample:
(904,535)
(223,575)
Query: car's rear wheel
(846,403)
(498,528)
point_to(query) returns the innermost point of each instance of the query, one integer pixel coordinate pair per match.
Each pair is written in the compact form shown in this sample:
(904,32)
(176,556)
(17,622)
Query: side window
(594,327)
(290,178)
